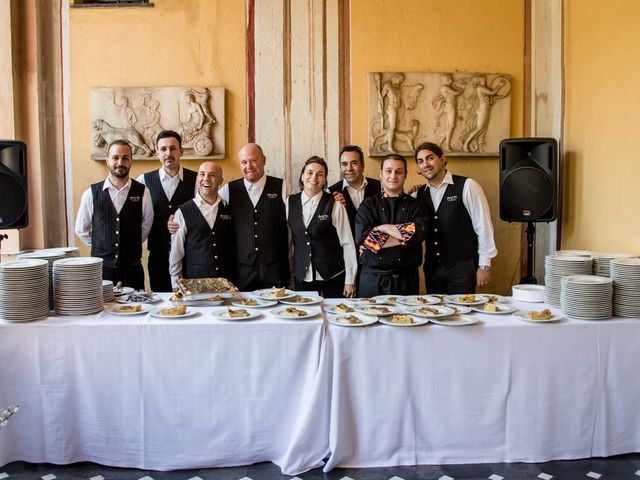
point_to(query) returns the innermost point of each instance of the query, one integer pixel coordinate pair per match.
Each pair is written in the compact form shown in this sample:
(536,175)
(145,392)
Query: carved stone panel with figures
(465,113)
(138,114)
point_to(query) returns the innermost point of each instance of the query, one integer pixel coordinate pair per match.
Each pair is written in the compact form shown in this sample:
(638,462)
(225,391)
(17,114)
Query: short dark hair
(169,134)
(122,142)
(353,148)
(394,156)
(310,160)
(434,147)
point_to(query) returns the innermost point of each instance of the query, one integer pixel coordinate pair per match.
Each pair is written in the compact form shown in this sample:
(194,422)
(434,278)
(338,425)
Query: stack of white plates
(587,297)
(625,273)
(574,253)
(107,291)
(50,256)
(602,262)
(67,251)
(558,266)
(77,285)
(23,290)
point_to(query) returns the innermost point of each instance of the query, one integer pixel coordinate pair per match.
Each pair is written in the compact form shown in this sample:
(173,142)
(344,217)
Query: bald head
(252,160)
(209,180)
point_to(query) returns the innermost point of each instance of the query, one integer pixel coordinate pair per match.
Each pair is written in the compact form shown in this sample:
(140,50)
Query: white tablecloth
(144,392)
(501,391)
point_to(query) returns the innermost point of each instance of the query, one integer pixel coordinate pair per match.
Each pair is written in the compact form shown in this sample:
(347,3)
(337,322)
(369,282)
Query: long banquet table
(149,393)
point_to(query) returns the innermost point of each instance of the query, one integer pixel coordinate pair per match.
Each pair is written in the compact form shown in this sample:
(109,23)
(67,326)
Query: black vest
(451,237)
(373,187)
(117,237)
(260,231)
(159,236)
(206,249)
(318,244)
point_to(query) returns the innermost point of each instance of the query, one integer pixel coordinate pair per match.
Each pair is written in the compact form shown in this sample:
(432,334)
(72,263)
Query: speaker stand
(531,239)
(3,236)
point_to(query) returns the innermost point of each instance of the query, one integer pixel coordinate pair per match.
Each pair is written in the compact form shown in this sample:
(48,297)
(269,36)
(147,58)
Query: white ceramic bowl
(528,293)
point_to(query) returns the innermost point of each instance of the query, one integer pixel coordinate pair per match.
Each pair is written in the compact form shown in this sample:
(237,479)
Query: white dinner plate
(386,299)
(378,310)
(525,316)
(127,299)
(415,322)
(269,294)
(492,297)
(457,321)
(416,300)
(115,310)
(441,311)
(122,291)
(198,303)
(341,320)
(240,302)
(223,314)
(297,300)
(363,301)
(502,309)
(460,309)
(335,311)
(189,313)
(457,300)
(309,312)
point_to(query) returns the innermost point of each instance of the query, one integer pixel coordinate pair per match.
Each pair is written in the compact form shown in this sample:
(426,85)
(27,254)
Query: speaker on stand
(529,187)
(14,211)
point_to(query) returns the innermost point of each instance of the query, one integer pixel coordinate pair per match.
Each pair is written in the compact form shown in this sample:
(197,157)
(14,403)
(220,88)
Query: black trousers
(376,282)
(457,279)
(130,275)
(332,288)
(158,267)
(253,277)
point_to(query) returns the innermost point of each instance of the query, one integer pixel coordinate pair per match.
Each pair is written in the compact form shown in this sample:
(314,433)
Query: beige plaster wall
(601,195)
(437,36)
(174,43)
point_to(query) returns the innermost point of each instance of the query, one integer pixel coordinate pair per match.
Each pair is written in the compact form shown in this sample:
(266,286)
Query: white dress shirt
(254,190)
(118,197)
(169,183)
(210,213)
(476,204)
(356,194)
(340,221)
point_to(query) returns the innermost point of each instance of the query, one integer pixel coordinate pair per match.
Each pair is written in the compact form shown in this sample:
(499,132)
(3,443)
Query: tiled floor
(612,468)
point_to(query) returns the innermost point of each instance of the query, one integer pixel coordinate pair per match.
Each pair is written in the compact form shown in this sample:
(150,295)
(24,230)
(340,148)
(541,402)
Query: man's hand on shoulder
(172,226)
(415,188)
(338,197)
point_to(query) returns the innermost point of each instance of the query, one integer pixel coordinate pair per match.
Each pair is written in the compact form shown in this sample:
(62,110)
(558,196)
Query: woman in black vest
(324,257)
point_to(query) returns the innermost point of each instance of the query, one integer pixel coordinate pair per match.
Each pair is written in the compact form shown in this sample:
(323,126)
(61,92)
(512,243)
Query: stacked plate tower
(23,290)
(586,297)
(625,273)
(77,285)
(50,255)
(602,262)
(558,266)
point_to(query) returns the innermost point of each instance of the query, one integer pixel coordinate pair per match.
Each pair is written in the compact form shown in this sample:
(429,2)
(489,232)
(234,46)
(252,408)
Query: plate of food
(352,320)
(138,297)
(364,301)
(431,311)
(198,288)
(120,290)
(253,302)
(403,320)
(212,301)
(274,293)
(234,314)
(378,310)
(469,299)
(459,308)
(174,313)
(538,316)
(415,300)
(340,308)
(386,299)
(295,313)
(494,308)
(455,321)
(129,309)
(301,299)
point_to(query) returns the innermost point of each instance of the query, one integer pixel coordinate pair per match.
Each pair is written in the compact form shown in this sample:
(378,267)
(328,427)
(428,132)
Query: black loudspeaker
(14,211)
(529,182)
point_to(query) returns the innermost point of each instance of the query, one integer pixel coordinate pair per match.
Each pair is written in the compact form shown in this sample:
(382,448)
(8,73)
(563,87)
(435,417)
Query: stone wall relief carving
(139,114)
(466,113)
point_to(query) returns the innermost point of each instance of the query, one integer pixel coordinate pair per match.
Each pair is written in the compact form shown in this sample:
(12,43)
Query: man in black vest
(202,246)
(354,186)
(390,228)
(115,217)
(459,243)
(170,186)
(259,220)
